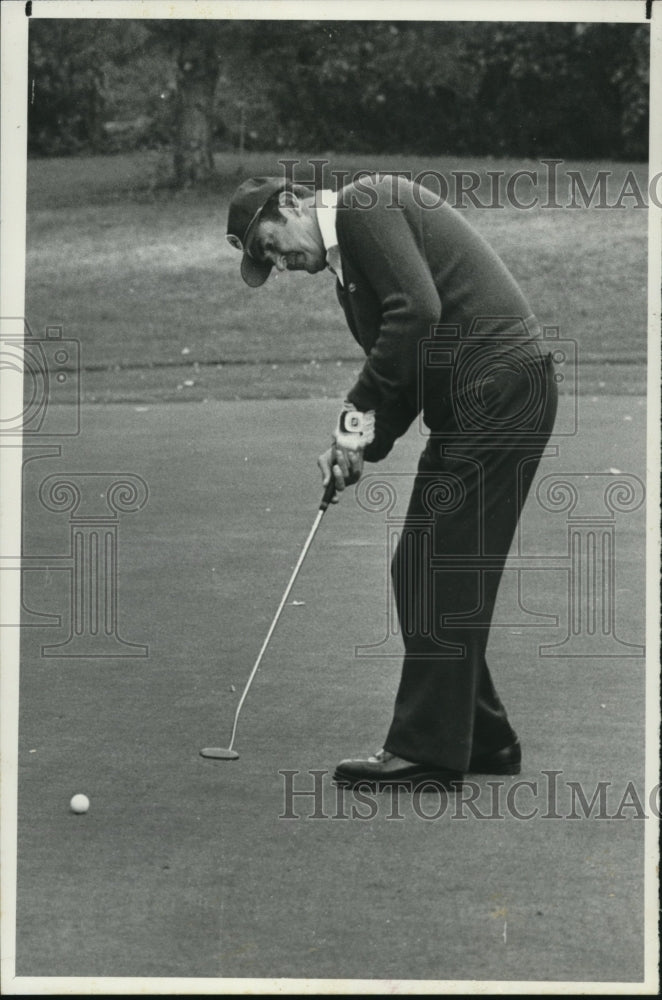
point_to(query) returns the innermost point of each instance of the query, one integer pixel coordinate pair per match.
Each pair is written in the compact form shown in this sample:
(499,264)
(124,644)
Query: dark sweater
(406,268)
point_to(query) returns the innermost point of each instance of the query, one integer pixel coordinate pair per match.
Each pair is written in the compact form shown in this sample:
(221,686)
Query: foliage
(522,88)
(370,85)
(572,90)
(81,74)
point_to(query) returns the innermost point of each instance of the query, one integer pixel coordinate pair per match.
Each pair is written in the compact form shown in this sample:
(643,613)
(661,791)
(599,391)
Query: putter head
(219,753)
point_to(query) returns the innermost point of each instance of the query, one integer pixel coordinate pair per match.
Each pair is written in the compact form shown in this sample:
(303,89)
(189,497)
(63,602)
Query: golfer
(448,338)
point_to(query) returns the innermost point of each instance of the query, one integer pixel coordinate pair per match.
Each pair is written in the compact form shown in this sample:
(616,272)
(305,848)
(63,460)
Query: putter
(222,753)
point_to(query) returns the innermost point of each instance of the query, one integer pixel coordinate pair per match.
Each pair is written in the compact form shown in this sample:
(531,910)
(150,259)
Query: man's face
(294,244)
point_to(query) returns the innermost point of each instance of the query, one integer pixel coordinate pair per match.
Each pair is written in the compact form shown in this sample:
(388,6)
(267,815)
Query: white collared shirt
(326,218)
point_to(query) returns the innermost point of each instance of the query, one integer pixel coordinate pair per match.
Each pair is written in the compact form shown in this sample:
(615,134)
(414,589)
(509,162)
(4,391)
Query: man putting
(447,334)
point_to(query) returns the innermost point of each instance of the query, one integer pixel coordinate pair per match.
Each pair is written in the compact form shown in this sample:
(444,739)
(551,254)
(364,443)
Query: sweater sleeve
(392,420)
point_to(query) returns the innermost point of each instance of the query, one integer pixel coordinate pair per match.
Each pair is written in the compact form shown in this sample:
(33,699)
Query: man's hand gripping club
(343,461)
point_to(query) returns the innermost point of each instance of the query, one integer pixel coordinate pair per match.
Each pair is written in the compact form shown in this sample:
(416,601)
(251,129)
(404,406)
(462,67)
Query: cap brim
(254,273)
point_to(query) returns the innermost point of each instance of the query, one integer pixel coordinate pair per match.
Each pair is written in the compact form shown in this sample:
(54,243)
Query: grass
(143,278)
(182,867)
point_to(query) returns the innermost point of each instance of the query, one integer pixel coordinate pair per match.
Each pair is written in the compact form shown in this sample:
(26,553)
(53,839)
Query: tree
(194,46)
(520,89)
(66,86)
(560,89)
(369,85)
(81,74)
(206,54)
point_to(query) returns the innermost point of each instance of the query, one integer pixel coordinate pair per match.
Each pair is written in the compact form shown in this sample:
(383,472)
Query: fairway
(149,287)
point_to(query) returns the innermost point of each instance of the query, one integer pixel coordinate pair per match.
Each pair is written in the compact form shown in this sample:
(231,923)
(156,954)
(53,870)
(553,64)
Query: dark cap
(243,216)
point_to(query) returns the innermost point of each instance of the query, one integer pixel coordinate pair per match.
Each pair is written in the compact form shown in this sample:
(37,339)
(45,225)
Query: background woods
(193,87)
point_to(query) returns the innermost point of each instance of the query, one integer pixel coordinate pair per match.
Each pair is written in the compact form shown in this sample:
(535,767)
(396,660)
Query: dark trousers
(466,501)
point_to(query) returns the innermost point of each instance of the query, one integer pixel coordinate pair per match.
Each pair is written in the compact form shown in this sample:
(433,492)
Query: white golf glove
(343,461)
(355,429)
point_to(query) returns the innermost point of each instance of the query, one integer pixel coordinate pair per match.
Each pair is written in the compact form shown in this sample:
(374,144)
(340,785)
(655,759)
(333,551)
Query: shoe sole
(502,769)
(430,781)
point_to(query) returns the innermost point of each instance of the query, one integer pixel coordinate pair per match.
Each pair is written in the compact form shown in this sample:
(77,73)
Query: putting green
(184,867)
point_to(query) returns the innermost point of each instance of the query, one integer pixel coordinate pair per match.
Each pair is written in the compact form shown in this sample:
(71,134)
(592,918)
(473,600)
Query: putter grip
(328,494)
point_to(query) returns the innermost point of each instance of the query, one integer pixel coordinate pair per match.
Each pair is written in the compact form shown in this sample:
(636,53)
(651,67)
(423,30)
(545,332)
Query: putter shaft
(326,499)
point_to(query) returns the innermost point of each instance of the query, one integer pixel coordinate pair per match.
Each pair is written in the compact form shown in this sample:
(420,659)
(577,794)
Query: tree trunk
(96,108)
(197,74)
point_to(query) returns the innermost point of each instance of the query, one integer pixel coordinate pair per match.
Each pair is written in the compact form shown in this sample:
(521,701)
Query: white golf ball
(79,803)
